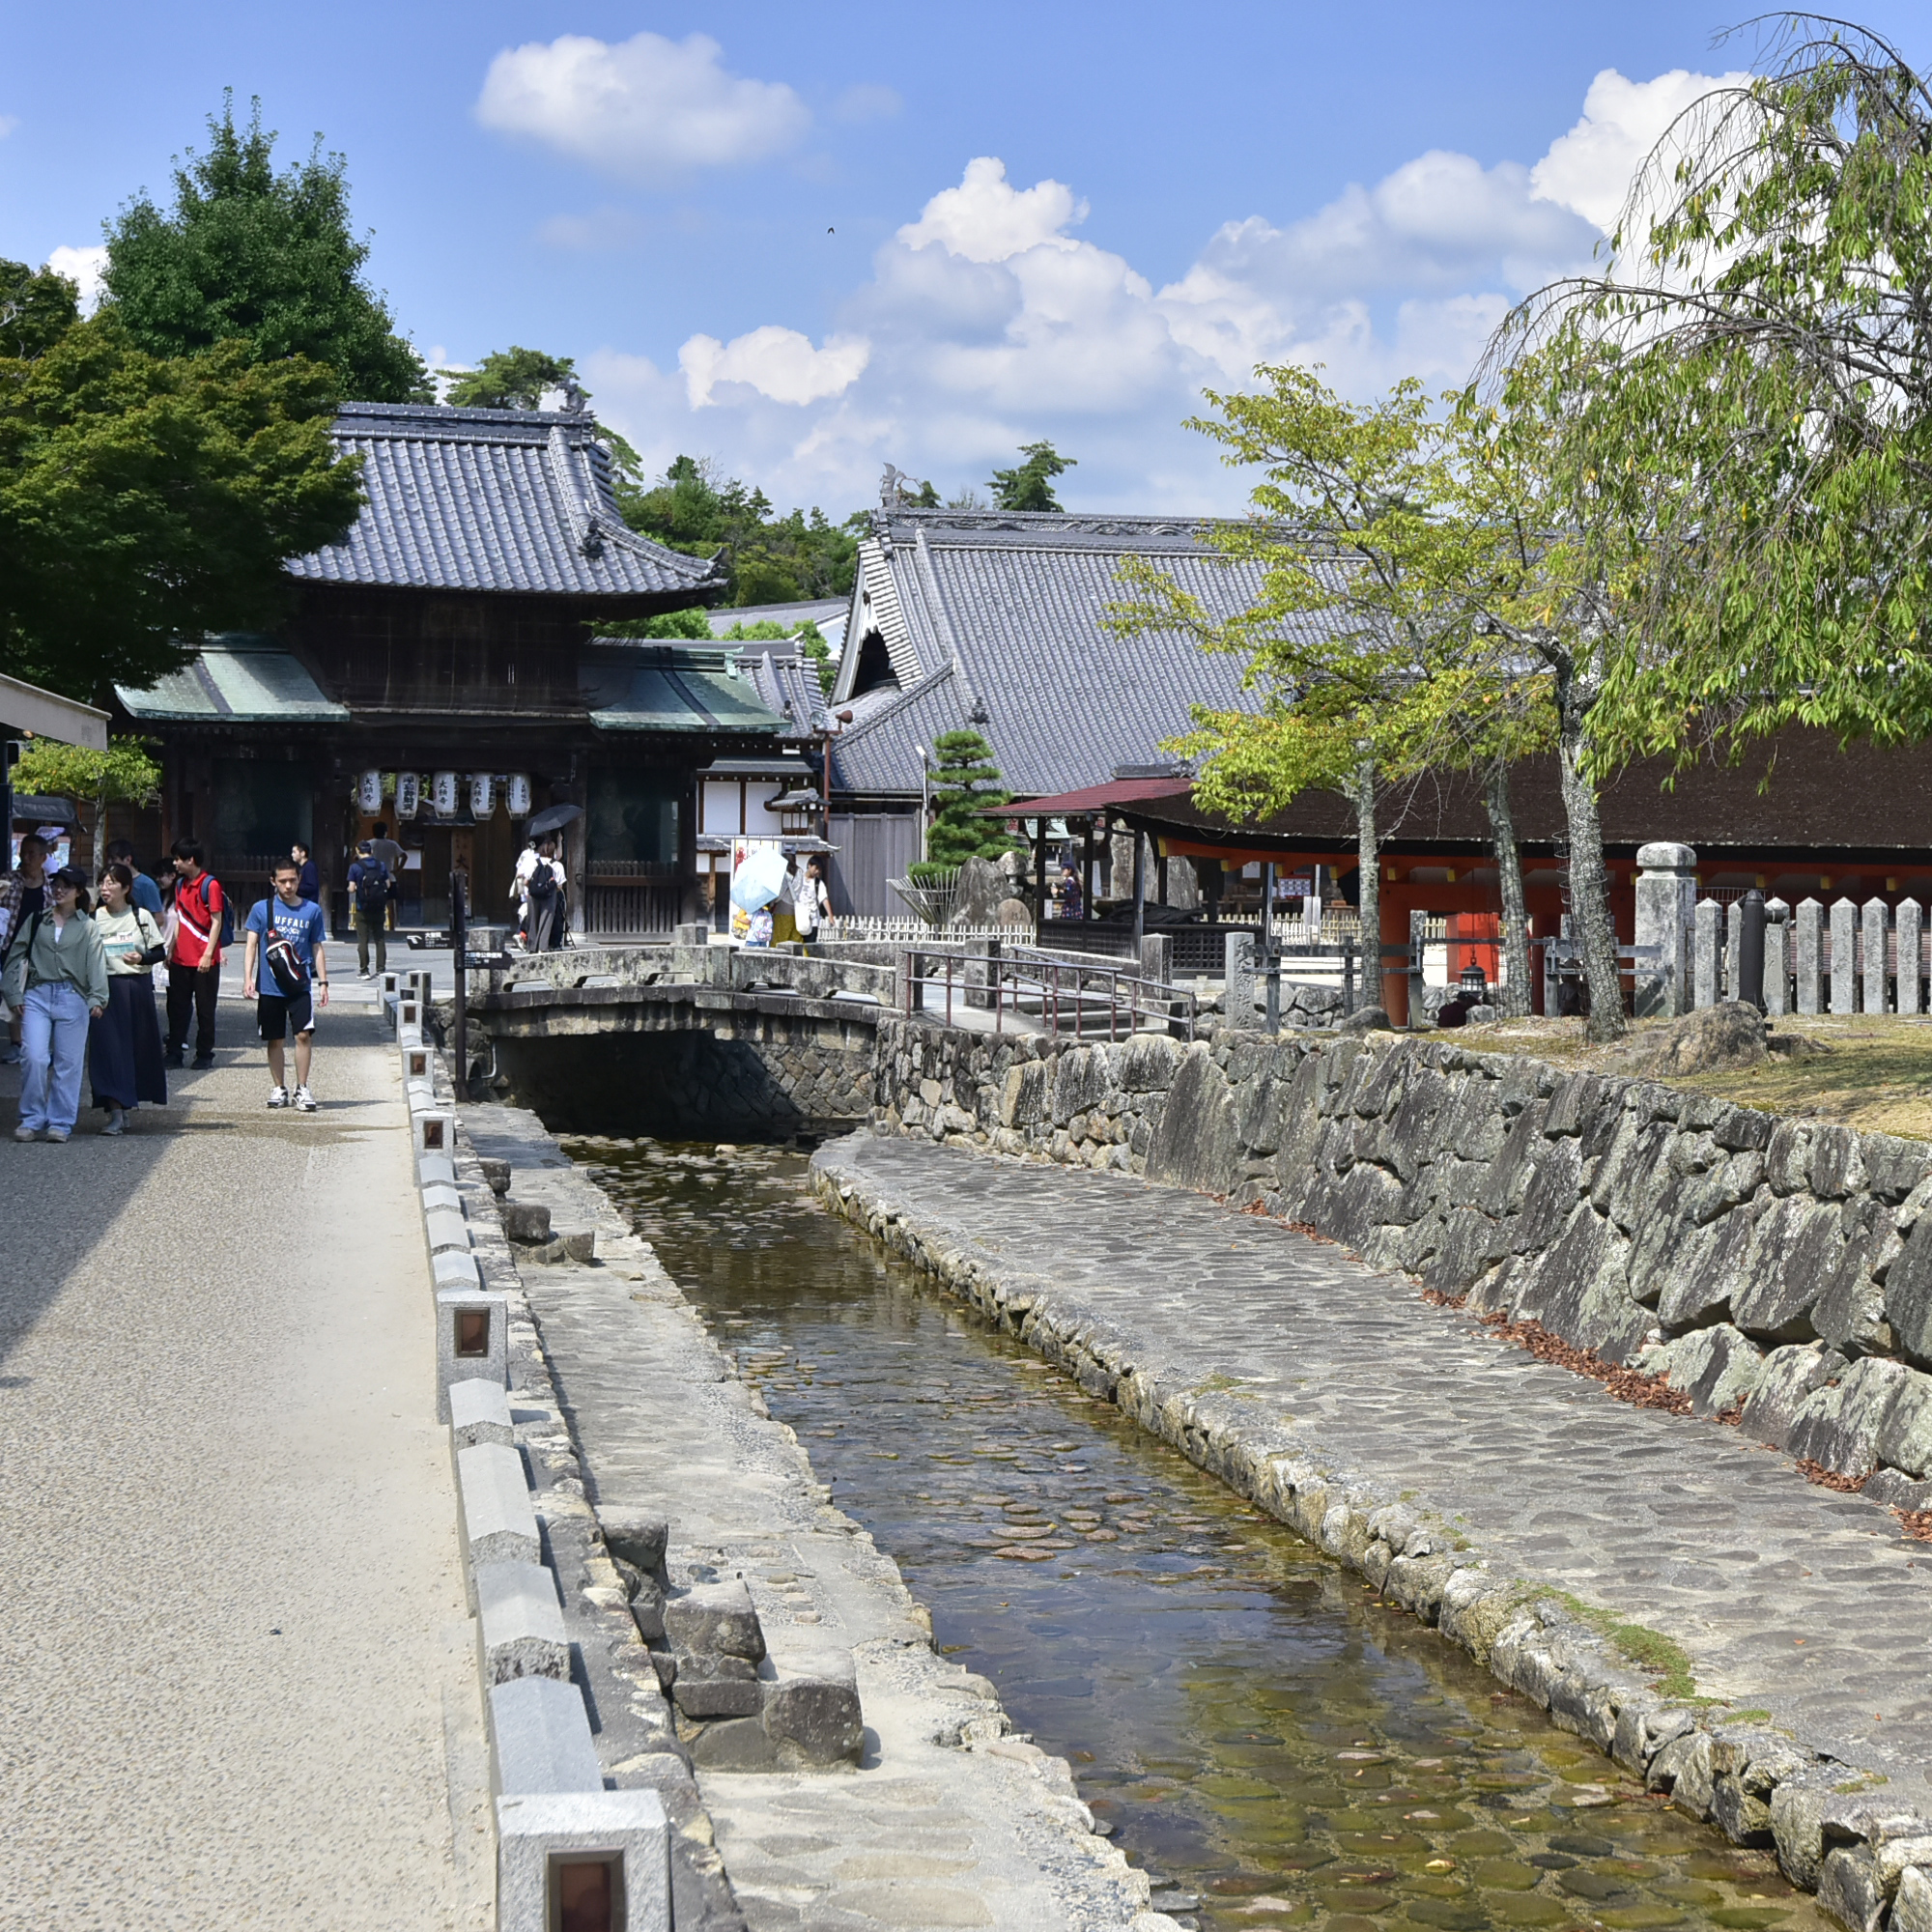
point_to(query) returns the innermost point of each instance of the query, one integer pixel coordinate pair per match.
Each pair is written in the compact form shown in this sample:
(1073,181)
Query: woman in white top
(811,901)
(124,1048)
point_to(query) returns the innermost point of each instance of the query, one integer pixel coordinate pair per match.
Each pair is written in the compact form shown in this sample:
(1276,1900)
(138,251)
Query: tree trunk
(1515,1001)
(1589,889)
(1369,879)
(99,839)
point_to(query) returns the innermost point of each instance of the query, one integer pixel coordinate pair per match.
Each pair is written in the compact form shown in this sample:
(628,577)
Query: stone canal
(1270,1742)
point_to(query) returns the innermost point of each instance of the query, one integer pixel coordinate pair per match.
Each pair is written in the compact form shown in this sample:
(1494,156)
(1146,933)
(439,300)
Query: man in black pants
(194,967)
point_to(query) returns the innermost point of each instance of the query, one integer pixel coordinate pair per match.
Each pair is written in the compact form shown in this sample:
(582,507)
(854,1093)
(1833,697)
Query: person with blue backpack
(286,974)
(369,907)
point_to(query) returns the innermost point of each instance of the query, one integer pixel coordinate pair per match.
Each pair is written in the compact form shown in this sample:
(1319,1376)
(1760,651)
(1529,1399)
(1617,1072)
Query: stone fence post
(1710,918)
(1911,919)
(1844,956)
(1877,924)
(1734,936)
(1807,970)
(1667,904)
(1157,958)
(1237,998)
(1777,958)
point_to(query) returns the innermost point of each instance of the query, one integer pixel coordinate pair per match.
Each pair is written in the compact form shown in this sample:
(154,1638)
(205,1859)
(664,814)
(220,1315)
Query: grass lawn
(1876,1076)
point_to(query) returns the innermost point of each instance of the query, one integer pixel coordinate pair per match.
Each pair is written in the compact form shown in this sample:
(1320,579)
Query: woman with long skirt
(125,1054)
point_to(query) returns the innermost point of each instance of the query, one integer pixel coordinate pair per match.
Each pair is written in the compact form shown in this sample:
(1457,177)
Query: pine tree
(965,783)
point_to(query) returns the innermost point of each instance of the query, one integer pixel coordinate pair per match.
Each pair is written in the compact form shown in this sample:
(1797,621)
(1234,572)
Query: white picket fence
(1845,958)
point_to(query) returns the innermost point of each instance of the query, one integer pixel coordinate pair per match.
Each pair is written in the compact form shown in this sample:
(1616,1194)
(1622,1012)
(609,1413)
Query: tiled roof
(878,755)
(235,679)
(786,683)
(1002,615)
(670,688)
(516,500)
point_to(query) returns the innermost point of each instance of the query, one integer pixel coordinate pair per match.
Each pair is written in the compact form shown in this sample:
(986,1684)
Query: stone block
(1707,968)
(714,1619)
(1790,1374)
(1777,958)
(526,1221)
(1848,1888)
(812,1707)
(1238,999)
(1876,919)
(735,1744)
(435,1170)
(496,1175)
(1908,982)
(1666,897)
(1907,1295)
(479,1411)
(1734,929)
(433,1130)
(1716,1367)
(472,1339)
(592,1857)
(1838,1427)
(520,1623)
(440,1194)
(1905,1429)
(1912,1906)
(637,1538)
(415,1061)
(498,1524)
(446,1231)
(540,1738)
(1891,1488)
(455,1271)
(1807,965)
(708,1685)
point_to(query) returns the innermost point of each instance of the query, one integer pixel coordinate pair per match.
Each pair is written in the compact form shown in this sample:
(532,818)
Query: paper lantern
(482,795)
(520,794)
(369,792)
(409,794)
(442,794)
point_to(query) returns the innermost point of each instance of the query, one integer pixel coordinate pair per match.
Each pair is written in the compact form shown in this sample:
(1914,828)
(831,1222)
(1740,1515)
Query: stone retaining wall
(1778,1267)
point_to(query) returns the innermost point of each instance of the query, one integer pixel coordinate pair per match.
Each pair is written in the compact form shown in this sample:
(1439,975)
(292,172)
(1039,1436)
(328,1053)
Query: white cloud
(1590,168)
(7,123)
(645,110)
(83,266)
(778,363)
(988,322)
(985,219)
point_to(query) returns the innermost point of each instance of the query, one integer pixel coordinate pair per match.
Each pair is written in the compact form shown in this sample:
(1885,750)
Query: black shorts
(276,1018)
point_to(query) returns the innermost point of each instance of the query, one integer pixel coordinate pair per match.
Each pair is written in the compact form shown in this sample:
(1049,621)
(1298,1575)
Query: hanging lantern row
(372,786)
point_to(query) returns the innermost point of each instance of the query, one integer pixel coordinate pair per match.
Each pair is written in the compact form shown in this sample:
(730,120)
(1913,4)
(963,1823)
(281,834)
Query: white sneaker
(304,1100)
(24,1133)
(278,1097)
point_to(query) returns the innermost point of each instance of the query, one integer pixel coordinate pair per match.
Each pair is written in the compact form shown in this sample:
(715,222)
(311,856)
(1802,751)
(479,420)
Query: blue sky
(808,241)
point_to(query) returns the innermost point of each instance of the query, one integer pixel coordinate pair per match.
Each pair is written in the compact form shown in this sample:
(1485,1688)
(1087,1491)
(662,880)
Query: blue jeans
(53,1050)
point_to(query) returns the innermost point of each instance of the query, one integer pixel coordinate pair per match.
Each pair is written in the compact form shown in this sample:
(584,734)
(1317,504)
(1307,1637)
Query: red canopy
(1095,798)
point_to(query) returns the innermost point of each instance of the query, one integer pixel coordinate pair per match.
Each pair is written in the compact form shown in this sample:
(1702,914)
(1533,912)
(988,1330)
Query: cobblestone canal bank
(1273,1743)
(1508,1501)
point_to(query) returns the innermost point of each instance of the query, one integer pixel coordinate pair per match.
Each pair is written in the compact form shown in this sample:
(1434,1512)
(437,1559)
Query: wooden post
(459,935)
(1039,881)
(1087,871)
(1140,890)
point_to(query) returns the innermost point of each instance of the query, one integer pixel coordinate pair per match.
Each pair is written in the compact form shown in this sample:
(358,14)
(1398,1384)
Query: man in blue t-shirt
(286,974)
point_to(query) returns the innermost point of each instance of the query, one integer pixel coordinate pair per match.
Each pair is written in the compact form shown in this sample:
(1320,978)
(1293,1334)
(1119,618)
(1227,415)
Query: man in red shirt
(194,963)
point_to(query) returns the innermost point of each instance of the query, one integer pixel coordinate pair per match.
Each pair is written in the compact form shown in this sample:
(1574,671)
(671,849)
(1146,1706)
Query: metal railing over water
(1084,998)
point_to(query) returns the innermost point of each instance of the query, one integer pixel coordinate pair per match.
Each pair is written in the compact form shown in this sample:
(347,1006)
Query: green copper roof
(666,688)
(237,679)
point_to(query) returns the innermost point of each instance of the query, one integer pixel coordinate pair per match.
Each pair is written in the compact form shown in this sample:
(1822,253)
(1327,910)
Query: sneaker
(116,1122)
(278,1097)
(304,1100)
(202,1061)
(10,1056)
(26,1133)
(175,1059)
(58,1135)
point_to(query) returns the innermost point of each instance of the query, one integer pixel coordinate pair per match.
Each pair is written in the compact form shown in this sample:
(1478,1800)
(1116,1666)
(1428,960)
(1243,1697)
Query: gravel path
(235,1648)
(1787,1597)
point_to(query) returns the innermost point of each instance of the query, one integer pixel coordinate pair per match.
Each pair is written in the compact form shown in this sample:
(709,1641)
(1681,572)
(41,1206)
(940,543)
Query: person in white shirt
(811,898)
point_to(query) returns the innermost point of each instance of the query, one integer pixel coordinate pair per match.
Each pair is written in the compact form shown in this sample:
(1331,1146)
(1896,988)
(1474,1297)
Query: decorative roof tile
(516,500)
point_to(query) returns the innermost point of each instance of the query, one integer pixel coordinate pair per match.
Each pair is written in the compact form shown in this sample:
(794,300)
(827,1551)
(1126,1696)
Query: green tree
(122,775)
(37,308)
(772,558)
(268,259)
(1028,486)
(1751,386)
(510,379)
(146,500)
(965,783)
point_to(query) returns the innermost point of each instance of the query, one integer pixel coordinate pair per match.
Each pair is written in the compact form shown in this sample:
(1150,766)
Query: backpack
(278,954)
(227,938)
(542,885)
(372,886)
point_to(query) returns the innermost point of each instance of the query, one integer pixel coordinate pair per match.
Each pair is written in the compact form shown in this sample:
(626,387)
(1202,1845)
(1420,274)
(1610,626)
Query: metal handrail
(999,980)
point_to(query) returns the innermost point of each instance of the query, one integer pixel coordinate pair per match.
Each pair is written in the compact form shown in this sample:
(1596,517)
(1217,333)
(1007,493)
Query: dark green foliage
(37,308)
(510,379)
(665,624)
(772,559)
(964,784)
(145,500)
(1030,486)
(264,257)
(812,641)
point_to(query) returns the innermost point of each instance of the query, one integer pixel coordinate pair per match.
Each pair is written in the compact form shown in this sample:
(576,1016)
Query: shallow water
(1271,1743)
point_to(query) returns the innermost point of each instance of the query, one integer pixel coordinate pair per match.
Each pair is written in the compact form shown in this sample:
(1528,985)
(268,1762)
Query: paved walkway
(238,1690)
(1786,1595)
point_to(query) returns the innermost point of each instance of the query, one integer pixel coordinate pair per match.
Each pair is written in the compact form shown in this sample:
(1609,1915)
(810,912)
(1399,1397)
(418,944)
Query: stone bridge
(696,1040)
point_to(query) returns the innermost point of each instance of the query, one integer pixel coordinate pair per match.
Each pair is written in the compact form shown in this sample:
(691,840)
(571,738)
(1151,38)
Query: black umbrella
(554,817)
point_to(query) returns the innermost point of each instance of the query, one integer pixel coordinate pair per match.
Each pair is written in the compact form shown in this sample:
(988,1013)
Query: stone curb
(1760,1787)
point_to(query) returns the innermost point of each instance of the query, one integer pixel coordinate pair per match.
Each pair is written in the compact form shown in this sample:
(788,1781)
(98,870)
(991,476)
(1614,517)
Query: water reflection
(1272,1743)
